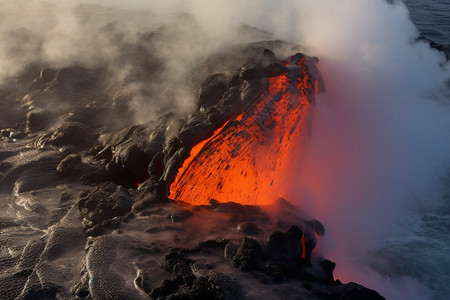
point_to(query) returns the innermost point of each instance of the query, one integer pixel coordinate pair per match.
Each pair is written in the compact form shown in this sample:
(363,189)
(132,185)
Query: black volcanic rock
(38,120)
(75,134)
(349,291)
(328,267)
(123,239)
(274,70)
(285,249)
(104,202)
(212,90)
(71,82)
(247,255)
(156,166)
(248,228)
(442,48)
(70,165)
(127,153)
(251,73)
(186,288)
(196,129)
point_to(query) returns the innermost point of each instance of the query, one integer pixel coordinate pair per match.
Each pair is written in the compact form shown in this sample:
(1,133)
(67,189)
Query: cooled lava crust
(95,207)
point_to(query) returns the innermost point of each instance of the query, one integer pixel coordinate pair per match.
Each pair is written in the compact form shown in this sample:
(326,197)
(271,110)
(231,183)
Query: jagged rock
(251,73)
(349,291)
(75,134)
(176,261)
(104,202)
(196,129)
(186,288)
(173,164)
(283,253)
(212,90)
(130,151)
(328,267)
(70,165)
(274,70)
(126,263)
(247,255)
(38,120)
(310,229)
(156,166)
(230,250)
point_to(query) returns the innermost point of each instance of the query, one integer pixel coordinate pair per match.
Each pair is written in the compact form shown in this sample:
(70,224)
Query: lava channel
(251,158)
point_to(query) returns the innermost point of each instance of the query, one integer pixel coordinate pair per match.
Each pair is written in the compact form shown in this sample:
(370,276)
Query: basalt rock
(276,262)
(212,90)
(248,228)
(123,238)
(70,165)
(103,203)
(349,291)
(75,134)
(126,154)
(328,267)
(38,120)
(186,288)
(284,250)
(247,255)
(310,229)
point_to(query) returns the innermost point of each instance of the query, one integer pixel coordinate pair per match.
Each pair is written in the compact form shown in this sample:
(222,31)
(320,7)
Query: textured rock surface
(84,211)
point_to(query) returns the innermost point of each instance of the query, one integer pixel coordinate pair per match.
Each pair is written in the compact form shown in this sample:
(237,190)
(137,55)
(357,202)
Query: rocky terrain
(85,211)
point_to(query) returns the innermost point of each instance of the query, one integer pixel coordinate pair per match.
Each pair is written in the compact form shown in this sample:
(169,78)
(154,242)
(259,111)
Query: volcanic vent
(249,159)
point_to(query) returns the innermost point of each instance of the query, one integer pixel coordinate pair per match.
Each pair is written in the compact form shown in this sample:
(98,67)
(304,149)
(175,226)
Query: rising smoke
(148,50)
(380,134)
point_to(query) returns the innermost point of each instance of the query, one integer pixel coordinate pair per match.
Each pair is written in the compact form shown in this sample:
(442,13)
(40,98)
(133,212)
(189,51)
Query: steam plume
(380,137)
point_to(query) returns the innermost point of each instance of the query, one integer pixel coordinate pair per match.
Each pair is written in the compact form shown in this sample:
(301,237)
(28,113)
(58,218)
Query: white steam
(380,136)
(148,48)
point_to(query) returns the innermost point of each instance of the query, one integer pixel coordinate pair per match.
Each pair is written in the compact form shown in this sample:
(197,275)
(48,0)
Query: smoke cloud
(379,136)
(150,50)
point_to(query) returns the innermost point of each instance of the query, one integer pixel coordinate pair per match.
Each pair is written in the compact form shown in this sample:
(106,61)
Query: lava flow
(250,159)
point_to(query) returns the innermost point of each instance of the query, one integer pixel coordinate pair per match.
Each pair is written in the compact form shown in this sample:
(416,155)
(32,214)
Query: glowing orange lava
(250,158)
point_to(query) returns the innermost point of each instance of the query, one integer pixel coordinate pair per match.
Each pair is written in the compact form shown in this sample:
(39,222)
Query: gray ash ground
(75,224)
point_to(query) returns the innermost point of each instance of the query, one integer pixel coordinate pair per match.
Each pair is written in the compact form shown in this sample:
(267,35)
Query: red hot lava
(249,159)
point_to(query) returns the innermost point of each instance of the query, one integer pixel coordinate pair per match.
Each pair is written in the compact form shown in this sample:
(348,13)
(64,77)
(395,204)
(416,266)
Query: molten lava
(250,158)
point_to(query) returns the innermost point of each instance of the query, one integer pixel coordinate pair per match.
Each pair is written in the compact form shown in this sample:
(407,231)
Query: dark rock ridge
(85,212)
(441,48)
